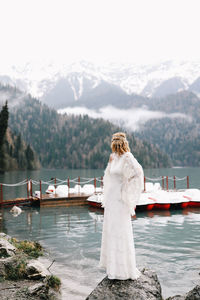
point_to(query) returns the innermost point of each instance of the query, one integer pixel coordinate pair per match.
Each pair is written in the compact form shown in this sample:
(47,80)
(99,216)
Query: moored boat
(159,199)
(193,197)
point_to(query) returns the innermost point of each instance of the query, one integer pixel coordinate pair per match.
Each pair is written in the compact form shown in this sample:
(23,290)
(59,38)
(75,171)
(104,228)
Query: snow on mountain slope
(195,87)
(40,78)
(170,86)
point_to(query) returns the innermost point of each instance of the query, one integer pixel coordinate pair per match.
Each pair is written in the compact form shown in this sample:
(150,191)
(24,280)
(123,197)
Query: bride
(123,184)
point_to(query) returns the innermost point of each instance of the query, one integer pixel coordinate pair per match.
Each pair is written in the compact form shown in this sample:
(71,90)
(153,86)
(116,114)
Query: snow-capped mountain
(63,83)
(68,89)
(169,86)
(195,86)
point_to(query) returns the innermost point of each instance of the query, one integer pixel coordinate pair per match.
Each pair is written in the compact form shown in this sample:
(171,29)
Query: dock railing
(164,180)
(77,182)
(38,185)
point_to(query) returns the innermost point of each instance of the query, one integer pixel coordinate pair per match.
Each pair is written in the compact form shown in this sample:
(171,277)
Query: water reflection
(167,241)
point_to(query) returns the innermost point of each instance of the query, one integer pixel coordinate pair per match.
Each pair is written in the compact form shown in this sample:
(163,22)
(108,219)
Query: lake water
(167,242)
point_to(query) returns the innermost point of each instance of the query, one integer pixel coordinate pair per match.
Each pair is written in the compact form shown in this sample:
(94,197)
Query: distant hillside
(178,137)
(66,141)
(176,133)
(177,129)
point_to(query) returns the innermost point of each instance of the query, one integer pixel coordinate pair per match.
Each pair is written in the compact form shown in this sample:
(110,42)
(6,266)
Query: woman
(123,184)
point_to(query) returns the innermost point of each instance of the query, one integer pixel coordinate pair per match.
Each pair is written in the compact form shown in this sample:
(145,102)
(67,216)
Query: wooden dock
(20,202)
(48,201)
(71,200)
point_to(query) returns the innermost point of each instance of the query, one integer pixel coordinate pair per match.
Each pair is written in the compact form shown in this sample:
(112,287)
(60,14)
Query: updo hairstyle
(119,143)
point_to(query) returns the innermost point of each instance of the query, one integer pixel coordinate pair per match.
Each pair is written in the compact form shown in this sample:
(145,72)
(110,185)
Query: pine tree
(3,122)
(29,157)
(4,114)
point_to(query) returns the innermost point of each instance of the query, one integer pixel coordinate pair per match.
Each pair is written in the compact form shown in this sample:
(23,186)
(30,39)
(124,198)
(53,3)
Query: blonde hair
(119,143)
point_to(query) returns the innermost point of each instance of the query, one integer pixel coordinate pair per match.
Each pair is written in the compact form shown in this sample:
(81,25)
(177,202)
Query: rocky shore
(146,287)
(22,276)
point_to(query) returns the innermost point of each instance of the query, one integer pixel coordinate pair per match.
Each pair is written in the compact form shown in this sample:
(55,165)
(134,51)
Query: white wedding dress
(123,183)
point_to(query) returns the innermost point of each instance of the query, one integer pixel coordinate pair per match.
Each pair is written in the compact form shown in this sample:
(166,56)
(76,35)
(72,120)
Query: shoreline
(22,275)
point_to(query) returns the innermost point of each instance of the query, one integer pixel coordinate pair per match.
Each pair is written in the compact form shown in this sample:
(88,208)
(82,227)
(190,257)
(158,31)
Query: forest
(14,153)
(68,141)
(178,137)
(75,141)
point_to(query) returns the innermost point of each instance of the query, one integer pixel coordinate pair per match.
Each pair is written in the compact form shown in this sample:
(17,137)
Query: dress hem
(121,278)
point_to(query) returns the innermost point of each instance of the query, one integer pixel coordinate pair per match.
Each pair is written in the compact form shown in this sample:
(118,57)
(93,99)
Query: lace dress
(123,183)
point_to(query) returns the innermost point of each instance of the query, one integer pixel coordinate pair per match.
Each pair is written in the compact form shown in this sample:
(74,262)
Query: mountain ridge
(133,79)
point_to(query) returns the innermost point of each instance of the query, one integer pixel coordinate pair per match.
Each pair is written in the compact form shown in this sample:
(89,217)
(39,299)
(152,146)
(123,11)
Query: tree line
(14,153)
(3,127)
(179,136)
(65,141)
(68,141)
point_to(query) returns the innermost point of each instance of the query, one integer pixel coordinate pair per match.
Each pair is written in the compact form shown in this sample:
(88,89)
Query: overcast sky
(141,31)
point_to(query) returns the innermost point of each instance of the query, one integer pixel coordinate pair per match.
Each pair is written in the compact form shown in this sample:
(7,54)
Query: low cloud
(132,119)
(13,100)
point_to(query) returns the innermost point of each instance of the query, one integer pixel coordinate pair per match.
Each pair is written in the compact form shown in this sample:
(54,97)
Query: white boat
(156,198)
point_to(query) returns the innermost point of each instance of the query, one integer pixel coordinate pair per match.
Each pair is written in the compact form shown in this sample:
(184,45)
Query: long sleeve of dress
(105,183)
(133,182)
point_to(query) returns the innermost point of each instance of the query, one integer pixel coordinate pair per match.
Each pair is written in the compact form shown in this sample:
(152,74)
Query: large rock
(4,236)
(194,294)
(6,248)
(42,290)
(36,270)
(19,267)
(146,287)
(38,289)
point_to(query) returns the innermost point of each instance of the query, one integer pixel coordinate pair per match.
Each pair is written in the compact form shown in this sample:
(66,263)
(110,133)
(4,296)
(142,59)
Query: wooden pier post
(31,188)
(95,184)
(79,188)
(174,182)
(188,185)
(144,184)
(68,183)
(163,183)
(55,182)
(1,194)
(27,187)
(40,190)
(167,185)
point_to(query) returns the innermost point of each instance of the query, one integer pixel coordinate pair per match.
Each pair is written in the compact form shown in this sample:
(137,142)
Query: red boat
(158,200)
